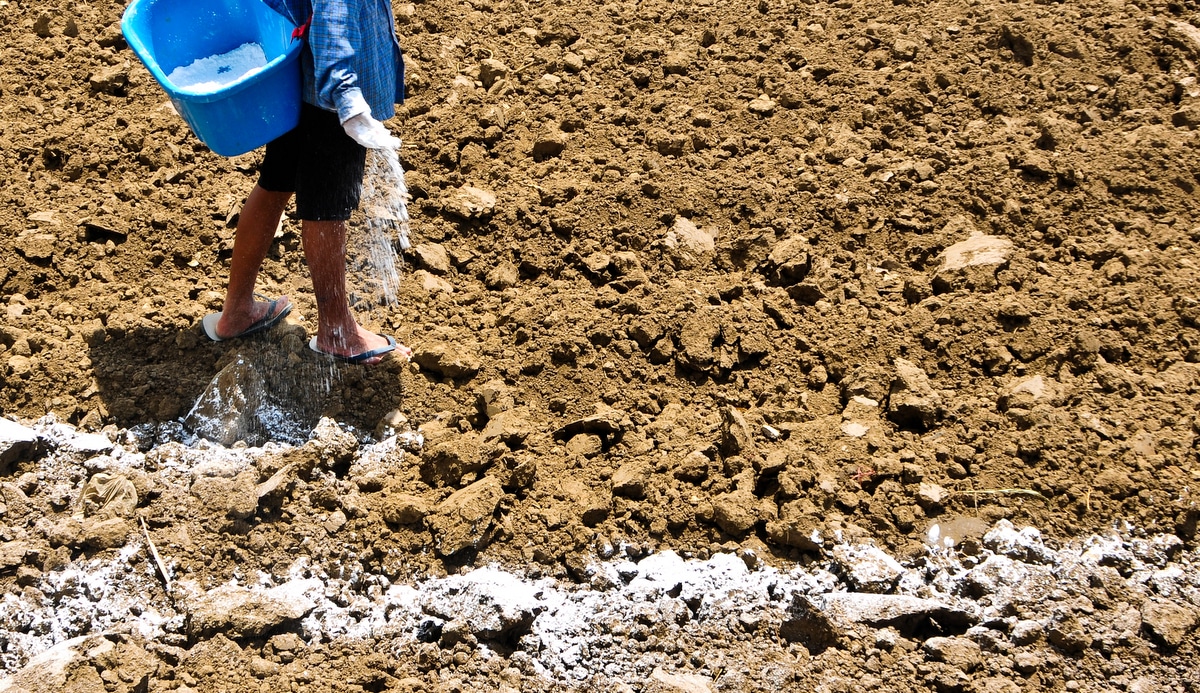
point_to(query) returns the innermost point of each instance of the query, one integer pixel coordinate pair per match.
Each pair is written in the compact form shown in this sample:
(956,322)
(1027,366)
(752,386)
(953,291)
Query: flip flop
(271,319)
(357,358)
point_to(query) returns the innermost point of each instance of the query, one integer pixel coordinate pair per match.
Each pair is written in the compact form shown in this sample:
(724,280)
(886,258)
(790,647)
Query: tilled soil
(763,279)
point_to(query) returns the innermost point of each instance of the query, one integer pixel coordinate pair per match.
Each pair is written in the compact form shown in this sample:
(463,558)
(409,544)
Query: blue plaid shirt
(351,48)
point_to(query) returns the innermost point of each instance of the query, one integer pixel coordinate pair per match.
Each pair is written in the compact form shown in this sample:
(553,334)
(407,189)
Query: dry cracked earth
(891,304)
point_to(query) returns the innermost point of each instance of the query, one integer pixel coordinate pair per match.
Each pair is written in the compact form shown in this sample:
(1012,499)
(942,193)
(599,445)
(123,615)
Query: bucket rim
(147,58)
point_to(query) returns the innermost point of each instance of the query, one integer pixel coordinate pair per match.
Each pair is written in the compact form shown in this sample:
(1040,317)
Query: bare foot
(361,341)
(236,321)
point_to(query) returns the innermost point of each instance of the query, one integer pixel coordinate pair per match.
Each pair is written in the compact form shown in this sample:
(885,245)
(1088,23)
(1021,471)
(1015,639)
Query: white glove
(370,133)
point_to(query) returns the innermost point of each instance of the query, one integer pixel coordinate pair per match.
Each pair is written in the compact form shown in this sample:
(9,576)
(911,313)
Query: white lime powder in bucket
(217,71)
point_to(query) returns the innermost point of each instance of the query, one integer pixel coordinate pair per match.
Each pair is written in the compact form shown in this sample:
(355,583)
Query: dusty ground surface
(687,277)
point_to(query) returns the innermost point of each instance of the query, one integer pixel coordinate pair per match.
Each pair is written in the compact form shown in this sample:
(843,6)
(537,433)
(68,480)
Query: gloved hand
(370,133)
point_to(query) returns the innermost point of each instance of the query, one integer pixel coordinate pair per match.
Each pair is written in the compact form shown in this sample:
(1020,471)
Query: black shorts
(319,162)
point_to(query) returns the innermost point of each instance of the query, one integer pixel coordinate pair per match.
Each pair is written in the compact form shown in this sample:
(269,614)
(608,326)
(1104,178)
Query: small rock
(470,203)
(1024,545)
(511,427)
(12,554)
(736,437)
(688,246)
(1068,635)
(677,63)
(88,444)
(593,504)
(432,284)
(335,521)
(960,653)
(548,144)
(464,519)
(447,461)
(905,50)
(806,622)
(433,257)
(390,424)
(404,509)
(605,422)
(17,443)
(972,263)
(504,275)
(37,247)
(905,613)
(855,429)
(628,269)
(110,80)
(1027,392)
(931,497)
(1169,622)
(867,568)
(331,443)
(762,106)
(1187,117)
(585,445)
(789,261)
(631,478)
(1026,632)
(491,71)
(1027,662)
(227,411)
(73,665)
(447,359)
(239,612)
(693,468)
(736,512)
(286,642)
(796,528)
(65,532)
(235,498)
(493,398)
(911,400)
(488,603)
(105,533)
(662,682)
(697,339)
(262,668)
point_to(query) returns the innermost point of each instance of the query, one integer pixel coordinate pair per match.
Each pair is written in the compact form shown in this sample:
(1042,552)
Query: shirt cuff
(352,104)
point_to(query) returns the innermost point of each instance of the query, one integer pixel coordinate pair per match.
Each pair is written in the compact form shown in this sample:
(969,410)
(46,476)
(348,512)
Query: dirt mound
(713,278)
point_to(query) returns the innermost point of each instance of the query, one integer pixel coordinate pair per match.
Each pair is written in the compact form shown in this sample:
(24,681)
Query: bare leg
(255,231)
(337,330)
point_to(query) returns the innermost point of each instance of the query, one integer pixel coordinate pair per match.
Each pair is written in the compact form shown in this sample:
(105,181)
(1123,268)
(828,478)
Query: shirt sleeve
(332,37)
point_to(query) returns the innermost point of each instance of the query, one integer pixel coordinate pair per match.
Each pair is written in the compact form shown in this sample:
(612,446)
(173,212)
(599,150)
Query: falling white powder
(373,258)
(217,71)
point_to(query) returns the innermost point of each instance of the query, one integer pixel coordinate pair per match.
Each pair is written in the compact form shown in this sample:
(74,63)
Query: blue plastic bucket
(239,116)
